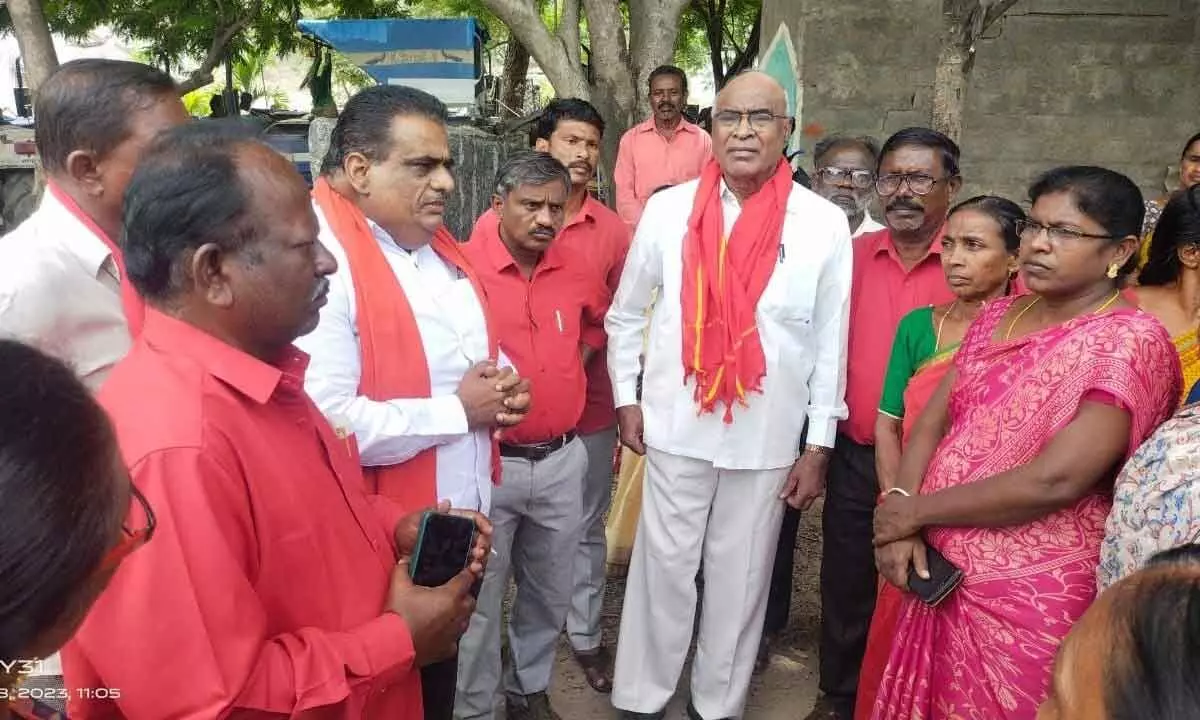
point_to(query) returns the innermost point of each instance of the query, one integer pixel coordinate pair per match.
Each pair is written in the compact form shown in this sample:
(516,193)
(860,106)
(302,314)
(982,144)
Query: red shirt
(599,235)
(263,587)
(541,324)
(881,293)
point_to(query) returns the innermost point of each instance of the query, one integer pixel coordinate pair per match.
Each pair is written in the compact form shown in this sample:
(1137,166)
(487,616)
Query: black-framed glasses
(918,183)
(759,119)
(132,537)
(860,179)
(1030,229)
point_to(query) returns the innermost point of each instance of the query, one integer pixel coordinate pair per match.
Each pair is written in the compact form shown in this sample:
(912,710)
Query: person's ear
(541,145)
(1189,256)
(357,168)
(210,274)
(83,167)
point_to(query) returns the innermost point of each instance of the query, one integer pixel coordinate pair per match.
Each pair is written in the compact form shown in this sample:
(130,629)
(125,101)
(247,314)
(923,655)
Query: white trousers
(693,512)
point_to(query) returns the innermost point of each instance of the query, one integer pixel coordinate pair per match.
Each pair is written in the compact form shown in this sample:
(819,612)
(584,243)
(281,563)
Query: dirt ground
(786,690)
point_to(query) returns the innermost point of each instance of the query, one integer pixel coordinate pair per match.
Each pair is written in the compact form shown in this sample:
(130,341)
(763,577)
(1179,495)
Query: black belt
(537,451)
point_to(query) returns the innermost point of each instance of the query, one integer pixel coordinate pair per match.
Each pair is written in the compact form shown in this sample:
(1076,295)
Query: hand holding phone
(436,617)
(443,550)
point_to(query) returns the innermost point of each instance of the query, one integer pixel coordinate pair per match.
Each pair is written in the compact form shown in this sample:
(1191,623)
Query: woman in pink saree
(1009,468)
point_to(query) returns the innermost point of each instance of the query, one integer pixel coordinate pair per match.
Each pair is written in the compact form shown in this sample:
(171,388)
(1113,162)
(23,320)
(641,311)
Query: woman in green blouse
(979,257)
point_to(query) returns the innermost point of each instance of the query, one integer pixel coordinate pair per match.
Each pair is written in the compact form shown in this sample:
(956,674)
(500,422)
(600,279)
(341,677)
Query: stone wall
(1109,82)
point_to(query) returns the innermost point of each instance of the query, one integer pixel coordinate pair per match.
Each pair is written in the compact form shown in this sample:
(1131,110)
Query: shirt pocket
(790,295)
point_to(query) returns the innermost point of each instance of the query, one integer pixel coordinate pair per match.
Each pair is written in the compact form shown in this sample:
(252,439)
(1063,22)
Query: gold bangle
(817,449)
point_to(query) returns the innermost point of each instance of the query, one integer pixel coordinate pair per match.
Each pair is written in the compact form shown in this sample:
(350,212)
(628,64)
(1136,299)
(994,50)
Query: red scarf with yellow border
(723,279)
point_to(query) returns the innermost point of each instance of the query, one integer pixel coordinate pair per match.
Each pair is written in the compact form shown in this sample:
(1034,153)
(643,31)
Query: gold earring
(1113,270)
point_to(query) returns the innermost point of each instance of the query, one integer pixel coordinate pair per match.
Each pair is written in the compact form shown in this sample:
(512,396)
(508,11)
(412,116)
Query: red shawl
(393,358)
(723,278)
(135,307)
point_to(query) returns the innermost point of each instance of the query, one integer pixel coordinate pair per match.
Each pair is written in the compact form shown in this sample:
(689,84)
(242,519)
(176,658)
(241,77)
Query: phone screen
(443,549)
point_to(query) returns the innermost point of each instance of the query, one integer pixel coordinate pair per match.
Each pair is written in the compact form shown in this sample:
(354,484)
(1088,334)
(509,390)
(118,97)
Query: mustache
(320,289)
(905,204)
(543,232)
(665,104)
(581,165)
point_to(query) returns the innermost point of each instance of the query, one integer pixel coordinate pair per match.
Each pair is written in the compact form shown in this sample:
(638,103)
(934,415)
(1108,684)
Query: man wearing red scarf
(746,343)
(404,357)
(62,279)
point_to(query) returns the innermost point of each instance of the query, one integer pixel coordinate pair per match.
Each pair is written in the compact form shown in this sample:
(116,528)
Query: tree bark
(949,91)
(525,24)
(963,23)
(34,41)
(515,81)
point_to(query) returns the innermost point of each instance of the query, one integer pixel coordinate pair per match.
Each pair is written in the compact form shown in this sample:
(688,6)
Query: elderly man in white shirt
(746,342)
(61,285)
(402,357)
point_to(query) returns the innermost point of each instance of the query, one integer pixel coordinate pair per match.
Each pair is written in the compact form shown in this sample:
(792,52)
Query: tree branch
(523,21)
(568,31)
(203,75)
(746,56)
(995,12)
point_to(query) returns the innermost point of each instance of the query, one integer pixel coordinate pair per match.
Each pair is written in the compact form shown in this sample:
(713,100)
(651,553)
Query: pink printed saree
(985,653)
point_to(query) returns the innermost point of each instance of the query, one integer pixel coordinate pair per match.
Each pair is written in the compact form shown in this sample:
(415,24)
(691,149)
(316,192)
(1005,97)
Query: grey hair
(866,143)
(530,168)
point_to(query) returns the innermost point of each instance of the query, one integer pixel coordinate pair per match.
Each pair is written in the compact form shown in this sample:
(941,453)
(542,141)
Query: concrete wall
(1108,82)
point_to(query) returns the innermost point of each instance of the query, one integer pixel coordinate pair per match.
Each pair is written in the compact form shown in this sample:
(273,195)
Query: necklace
(1106,305)
(937,342)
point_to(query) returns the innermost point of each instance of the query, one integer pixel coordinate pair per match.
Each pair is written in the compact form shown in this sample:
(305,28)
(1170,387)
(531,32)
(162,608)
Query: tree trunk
(515,81)
(950,89)
(34,41)
(746,58)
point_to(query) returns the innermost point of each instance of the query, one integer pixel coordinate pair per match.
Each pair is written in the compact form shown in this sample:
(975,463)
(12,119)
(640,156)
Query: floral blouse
(1156,499)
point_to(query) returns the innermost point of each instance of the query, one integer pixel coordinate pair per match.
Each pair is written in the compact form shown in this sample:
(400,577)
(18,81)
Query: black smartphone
(444,545)
(943,578)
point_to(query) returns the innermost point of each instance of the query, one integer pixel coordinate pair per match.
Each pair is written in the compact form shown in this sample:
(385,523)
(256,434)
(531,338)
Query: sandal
(597,666)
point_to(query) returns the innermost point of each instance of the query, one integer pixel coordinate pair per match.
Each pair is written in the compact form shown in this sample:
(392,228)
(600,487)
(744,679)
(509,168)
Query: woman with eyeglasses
(65,518)
(1169,283)
(979,258)
(1006,477)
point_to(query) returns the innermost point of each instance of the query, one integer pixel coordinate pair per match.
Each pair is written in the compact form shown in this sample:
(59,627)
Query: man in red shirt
(548,309)
(271,587)
(570,130)
(895,270)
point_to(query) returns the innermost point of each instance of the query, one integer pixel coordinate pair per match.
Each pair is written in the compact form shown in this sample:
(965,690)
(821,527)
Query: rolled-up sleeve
(627,316)
(831,320)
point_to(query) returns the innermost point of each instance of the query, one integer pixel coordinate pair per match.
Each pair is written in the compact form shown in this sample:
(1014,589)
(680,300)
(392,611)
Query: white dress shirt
(867,225)
(454,334)
(802,320)
(60,291)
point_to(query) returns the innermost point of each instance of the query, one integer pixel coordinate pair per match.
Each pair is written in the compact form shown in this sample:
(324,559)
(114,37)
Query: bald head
(755,85)
(750,130)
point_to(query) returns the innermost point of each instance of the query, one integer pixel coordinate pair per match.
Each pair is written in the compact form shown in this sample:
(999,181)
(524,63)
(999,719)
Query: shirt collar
(243,372)
(648,125)
(77,237)
(587,213)
(882,240)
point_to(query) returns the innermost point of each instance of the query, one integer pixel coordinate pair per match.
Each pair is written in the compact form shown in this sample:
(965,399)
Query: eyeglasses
(131,539)
(860,179)
(759,119)
(919,183)
(1028,230)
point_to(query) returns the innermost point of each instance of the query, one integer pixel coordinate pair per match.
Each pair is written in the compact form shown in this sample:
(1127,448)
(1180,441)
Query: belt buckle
(539,452)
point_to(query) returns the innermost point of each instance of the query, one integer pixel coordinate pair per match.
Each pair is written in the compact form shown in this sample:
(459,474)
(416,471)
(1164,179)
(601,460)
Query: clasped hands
(493,397)
(898,541)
